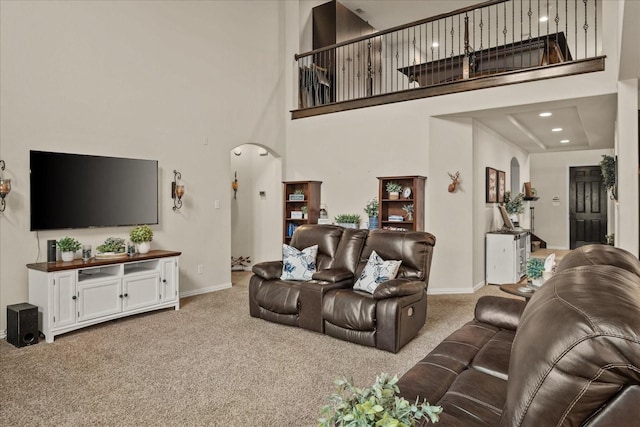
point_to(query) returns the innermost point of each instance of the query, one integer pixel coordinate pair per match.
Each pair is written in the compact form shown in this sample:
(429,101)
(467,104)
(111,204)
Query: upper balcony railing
(490,39)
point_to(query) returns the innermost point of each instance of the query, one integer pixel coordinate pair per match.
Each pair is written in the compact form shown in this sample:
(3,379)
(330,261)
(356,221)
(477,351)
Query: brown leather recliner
(571,356)
(388,319)
(391,316)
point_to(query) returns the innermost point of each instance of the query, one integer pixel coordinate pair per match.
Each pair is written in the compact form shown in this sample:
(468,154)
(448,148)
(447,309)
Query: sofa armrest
(398,288)
(498,311)
(269,270)
(333,275)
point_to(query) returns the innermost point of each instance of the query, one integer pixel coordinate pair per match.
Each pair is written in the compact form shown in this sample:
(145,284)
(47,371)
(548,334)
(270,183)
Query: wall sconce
(177,190)
(237,151)
(234,184)
(5,187)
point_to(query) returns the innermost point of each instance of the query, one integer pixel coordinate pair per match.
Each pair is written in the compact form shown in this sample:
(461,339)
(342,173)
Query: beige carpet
(209,363)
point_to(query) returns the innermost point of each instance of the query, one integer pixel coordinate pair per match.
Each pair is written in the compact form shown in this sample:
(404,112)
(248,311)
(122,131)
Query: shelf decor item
(376,405)
(514,207)
(111,248)
(348,220)
(297,196)
(608,169)
(142,235)
(371,209)
(394,189)
(409,210)
(535,268)
(68,246)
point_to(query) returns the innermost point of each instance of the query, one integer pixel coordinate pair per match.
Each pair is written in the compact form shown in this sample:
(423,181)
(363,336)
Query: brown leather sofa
(386,319)
(571,356)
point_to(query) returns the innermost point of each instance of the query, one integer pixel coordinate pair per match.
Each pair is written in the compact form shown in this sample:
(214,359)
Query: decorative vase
(515,219)
(394,195)
(373,222)
(537,282)
(144,247)
(409,216)
(67,255)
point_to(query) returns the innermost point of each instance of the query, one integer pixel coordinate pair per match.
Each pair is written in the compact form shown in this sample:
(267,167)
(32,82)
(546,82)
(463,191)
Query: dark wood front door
(587,206)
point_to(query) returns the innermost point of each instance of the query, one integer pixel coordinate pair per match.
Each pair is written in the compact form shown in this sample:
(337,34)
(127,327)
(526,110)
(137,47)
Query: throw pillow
(298,265)
(375,272)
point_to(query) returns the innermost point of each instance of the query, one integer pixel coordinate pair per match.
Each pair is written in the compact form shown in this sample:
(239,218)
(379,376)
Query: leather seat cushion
(350,309)
(493,358)
(279,296)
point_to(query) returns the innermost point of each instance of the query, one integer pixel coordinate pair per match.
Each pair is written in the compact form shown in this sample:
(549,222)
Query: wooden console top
(93,262)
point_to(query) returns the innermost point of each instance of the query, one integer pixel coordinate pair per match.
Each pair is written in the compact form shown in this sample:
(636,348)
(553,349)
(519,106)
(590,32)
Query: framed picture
(501,184)
(492,185)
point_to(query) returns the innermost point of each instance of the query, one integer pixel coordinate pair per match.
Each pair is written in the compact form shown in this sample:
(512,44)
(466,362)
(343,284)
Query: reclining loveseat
(570,356)
(387,318)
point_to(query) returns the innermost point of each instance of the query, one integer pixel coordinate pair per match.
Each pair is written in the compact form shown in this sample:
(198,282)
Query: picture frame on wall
(502,177)
(492,185)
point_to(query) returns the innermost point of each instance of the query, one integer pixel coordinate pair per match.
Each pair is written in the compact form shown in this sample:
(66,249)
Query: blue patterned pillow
(375,272)
(298,265)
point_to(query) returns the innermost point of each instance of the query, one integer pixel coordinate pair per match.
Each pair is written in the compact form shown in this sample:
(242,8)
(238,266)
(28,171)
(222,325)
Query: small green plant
(68,244)
(347,219)
(393,187)
(374,406)
(298,192)
(611,239)
(141,233)
(371,209)
(304,210)
(515,205)
(608,170)
(408,208)
(112,244)
(535,268)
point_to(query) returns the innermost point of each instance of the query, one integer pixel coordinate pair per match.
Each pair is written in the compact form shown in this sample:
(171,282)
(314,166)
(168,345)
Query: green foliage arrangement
(68,244)
(298,192)
(347,219)
(393,187)
(112,244)
(608,170)
(371,209)
(375,406)
(141,233)
(535,267)
(408,208)
(304,210)
(515,205)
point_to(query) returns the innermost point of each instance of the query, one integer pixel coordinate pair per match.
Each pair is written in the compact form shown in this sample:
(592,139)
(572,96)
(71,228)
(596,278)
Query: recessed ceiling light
(564,141)
(544,18)
(435,44)
(545,114)
(556,130)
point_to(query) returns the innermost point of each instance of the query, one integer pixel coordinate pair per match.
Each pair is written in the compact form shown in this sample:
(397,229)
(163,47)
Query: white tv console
(75,294)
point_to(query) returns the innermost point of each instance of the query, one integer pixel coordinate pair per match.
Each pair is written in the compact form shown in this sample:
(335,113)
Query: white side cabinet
(506,256)
(76,294)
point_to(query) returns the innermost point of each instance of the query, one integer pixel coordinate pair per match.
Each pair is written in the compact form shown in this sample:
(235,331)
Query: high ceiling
(588,123)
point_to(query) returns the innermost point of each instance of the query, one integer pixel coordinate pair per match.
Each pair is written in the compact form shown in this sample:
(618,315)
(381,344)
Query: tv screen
(82,191)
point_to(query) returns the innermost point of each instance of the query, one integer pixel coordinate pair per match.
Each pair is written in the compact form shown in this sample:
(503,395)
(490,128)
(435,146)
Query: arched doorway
(256,207)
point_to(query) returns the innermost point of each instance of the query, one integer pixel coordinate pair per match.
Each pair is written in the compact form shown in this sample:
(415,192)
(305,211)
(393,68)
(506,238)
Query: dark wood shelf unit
(394,206)
(311,192)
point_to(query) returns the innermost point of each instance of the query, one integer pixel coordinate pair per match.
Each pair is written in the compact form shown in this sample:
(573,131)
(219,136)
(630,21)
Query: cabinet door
(99,298)
(64,298)
(169,279)
(141,291)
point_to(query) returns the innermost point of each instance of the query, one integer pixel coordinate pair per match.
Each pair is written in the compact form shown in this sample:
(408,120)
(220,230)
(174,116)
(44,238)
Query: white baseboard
(454,291)
(205,290)
(558,248)
(3,334)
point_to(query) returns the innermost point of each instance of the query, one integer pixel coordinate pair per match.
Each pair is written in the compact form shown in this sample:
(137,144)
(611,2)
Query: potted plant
(514,206)
(608,170)
(113,245)
(376,405)
(305,211)
(348,220)
(394,189)
(68,246)
(297,195)
(371,209)
(409,210)
(142,235)
(535,268)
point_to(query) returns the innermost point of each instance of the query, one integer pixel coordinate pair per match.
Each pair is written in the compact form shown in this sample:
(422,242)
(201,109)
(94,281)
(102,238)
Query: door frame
(565,210)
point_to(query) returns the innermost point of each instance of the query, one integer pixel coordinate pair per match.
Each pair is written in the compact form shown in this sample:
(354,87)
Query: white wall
(178,82)
(550,177)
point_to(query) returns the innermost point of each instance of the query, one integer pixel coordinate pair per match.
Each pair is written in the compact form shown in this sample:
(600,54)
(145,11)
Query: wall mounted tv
(82,191)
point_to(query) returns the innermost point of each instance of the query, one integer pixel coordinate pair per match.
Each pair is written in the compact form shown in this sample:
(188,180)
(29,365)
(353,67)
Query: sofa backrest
(350,248)
(413,248)
(575,359)
(600,255)
(326,236)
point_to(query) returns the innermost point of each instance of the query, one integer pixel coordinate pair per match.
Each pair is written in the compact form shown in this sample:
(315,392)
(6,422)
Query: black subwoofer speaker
(22,324)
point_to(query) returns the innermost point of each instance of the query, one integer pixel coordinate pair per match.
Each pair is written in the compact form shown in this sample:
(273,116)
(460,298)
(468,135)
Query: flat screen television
(84,191)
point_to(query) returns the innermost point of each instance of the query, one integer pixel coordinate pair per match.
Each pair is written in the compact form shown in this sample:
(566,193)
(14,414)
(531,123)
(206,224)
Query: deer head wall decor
(455,181)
